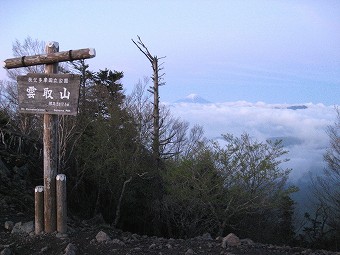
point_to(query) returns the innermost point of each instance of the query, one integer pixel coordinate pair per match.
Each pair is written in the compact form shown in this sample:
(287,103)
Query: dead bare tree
(157,81)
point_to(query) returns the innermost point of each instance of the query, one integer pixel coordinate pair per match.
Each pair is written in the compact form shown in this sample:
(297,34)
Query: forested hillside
(191,187)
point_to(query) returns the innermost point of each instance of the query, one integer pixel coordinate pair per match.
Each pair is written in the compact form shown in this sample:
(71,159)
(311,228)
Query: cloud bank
(303,129)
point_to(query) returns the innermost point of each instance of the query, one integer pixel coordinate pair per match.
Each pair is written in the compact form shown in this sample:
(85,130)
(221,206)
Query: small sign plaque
(48,93)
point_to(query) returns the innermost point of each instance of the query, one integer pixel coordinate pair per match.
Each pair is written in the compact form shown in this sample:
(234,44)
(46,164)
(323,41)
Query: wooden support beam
(61,204)
(49,58)
(39,209)
(50,141)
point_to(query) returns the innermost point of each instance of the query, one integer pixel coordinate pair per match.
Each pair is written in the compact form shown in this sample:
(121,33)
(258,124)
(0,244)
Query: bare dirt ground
(81,239)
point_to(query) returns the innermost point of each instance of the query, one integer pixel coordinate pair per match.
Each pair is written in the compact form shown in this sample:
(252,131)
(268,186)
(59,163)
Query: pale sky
(278,51)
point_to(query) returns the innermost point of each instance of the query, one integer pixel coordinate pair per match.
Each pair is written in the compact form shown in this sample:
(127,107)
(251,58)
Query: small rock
(230,240)
(6,251)
(135,237)
(70,249)
(20,227)
(117,241)
(247,241)
(16,228)
(44,249)
(102,237)
(126,238)
(9,225)
(189,252)
(207,236)
(61,235)
(28,227)
(169,246)
(219,238)
(152,246)
(270,246)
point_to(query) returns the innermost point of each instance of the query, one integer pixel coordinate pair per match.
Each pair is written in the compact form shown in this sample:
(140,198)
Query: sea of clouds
(302,130)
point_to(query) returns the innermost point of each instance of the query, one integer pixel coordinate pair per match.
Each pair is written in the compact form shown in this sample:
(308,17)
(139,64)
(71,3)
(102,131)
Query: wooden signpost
(50,94)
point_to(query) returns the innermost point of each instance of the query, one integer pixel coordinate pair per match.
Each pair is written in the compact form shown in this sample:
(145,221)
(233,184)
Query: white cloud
(307,127)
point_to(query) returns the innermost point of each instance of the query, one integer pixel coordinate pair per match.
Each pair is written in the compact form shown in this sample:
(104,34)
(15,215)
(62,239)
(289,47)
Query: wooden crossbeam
(50,58)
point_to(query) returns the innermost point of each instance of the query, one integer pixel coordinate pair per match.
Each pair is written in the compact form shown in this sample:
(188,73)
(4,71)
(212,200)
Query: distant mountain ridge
(297,107)
(193,98)
(197,99)
(287,141)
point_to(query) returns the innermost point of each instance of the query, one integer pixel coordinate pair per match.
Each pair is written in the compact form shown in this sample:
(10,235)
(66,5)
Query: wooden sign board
(48,93)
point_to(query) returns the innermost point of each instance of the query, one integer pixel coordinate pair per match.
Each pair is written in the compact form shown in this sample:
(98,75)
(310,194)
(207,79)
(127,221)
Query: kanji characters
(31,91)
(60,80)
(63,96)
(47,93)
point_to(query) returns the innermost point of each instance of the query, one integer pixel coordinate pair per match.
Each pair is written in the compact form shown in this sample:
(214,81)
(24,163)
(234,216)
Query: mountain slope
(193,98)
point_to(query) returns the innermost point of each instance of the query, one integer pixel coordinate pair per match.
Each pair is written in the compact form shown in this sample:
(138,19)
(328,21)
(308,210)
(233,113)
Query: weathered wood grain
(49,58)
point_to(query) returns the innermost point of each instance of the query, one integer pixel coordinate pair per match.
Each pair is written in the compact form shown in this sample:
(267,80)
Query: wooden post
(39,209)
(61,204)
(50,141)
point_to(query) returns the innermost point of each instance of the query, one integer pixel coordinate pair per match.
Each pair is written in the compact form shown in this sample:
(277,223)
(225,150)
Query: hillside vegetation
(196,186)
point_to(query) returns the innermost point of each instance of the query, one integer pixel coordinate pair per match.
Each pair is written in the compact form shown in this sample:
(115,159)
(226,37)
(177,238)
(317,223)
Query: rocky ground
(94,237)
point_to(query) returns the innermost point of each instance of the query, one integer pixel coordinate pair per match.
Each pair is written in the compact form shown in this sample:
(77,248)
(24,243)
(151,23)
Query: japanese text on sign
(48,93)
(47,79)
